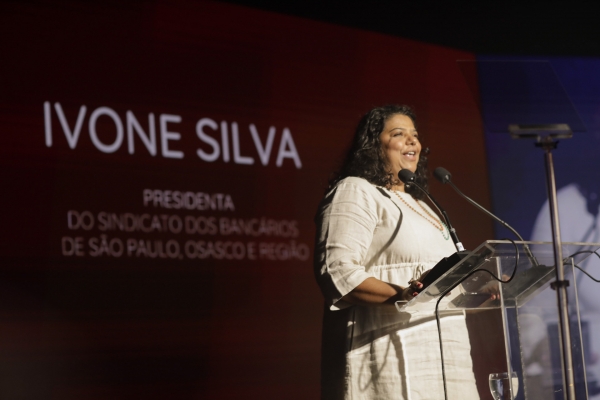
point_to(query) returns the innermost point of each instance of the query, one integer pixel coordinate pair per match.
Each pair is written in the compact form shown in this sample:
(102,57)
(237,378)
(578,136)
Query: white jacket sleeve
(346,220)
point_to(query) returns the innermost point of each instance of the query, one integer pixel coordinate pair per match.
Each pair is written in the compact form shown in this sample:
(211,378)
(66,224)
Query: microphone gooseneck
(408,177)
(442,175)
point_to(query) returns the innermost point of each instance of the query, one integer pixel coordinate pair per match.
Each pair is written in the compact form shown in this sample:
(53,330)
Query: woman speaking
(375,239)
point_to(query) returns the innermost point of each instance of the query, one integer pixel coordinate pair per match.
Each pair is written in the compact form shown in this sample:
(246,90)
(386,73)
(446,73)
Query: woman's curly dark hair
(366,159)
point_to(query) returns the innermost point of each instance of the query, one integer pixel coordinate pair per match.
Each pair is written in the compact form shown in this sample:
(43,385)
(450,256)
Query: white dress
(377,352)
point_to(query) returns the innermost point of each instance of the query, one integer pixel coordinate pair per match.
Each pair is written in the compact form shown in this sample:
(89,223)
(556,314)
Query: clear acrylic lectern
(528,310)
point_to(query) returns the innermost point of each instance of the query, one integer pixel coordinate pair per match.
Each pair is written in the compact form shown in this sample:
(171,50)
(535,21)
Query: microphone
(444,176)
(409,178)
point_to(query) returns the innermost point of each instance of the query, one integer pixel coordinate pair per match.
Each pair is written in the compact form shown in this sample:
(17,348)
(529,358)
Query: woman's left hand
(413,288)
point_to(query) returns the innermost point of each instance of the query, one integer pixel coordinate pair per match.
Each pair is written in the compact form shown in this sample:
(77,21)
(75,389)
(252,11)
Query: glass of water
(500,387)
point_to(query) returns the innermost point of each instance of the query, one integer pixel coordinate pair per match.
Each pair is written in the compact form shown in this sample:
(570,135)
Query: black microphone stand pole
(560,285)
(546,136)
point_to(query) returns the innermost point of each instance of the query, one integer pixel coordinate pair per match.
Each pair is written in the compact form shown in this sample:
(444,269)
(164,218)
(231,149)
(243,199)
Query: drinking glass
(500,387)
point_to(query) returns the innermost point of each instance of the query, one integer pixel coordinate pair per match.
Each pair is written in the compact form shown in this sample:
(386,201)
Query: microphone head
(442,175)
(406,176)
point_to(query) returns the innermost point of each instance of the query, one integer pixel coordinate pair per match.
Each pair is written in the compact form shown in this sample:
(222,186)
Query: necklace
(439,225)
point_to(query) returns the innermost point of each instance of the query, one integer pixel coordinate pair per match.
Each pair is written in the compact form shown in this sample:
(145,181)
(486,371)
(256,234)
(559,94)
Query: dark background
(507,27)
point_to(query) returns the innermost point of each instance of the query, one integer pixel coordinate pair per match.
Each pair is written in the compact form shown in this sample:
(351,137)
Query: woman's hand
(372,291)
(412,289)
(492,288)
(415,287)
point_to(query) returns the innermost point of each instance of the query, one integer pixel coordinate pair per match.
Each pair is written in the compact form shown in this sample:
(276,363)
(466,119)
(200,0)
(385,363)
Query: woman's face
(400,143)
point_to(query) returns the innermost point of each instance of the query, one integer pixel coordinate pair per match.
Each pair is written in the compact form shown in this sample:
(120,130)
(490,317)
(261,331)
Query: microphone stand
(560,285)
(408,178)
(546,136)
